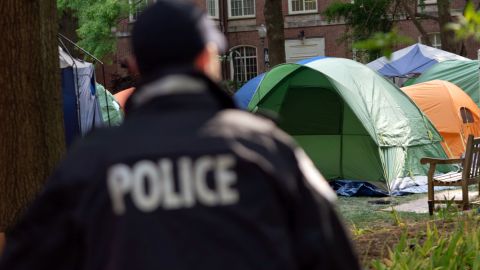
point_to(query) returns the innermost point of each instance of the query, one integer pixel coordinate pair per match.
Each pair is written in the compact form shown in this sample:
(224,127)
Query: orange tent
(451,111)
(123,95)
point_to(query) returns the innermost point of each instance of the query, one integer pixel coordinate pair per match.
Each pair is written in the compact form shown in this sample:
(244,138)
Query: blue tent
(81,108)
(244,95)
(411,61)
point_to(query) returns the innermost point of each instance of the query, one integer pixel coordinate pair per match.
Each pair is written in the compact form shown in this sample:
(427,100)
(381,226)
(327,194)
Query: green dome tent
(352,122)
(464,74)
(112,114)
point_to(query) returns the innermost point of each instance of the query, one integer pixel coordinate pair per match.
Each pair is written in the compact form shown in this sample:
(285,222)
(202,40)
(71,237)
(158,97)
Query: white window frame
(290,11)
(216,16)
(436,42)
(229,4)
(232,68)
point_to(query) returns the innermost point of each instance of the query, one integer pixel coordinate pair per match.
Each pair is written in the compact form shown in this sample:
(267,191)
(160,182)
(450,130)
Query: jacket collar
(177,85)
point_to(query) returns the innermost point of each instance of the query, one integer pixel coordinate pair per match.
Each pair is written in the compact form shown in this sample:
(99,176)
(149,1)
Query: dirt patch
(376,245)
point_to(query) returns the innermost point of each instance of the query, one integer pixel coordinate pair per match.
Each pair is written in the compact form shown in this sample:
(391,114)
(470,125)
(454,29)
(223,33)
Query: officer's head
(175,34)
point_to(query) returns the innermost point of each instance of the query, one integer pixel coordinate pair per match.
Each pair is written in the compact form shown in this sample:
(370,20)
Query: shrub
(456,246)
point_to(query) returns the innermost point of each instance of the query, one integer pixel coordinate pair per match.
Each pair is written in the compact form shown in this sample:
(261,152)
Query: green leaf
(468,25)
(96,19)
(383,42)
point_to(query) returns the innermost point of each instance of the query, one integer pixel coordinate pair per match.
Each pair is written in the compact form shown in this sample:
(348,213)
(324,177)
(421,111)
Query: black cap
(171,34)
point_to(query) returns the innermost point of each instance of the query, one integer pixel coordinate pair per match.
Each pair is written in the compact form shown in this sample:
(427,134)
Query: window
(434,39)
(467,116)
(302,6)
(212,8)
(136,7)
(243,64)
(241,8)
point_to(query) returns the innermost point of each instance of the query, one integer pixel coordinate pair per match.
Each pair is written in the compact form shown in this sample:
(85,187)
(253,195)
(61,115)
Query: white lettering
(208,180)
(205,195)
(172,200)
(145,172)
(225,179)
(186,184)
(118,182)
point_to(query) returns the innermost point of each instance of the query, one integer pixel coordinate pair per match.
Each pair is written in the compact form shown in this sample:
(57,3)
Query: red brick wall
(332,33)
(459,4)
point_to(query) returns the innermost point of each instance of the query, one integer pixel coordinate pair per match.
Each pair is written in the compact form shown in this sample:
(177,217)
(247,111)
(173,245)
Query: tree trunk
(406,5)
(275,36)
(444,17)
(31,126)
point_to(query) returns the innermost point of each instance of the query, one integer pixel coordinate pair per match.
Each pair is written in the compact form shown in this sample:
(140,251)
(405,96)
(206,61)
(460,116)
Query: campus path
(421,206)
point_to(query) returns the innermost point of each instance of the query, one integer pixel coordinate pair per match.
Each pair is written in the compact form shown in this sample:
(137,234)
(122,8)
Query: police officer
(187,182)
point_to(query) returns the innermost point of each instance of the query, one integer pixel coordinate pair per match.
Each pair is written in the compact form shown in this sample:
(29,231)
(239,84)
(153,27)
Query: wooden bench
(469,175)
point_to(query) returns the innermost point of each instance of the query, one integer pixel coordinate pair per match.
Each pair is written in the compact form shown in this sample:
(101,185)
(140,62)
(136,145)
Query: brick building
(307,34)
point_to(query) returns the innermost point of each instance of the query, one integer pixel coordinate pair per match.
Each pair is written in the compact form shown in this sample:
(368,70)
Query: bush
(454,247)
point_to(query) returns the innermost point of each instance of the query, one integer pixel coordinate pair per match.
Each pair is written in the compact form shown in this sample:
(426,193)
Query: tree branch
(417,24)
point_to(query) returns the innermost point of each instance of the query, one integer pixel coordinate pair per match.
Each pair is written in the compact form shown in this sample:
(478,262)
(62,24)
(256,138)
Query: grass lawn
(416,239)
(359,213)
(374,231)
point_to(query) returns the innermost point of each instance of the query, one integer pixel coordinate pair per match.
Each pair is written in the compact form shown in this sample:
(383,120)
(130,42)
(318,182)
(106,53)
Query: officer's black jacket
(283,218)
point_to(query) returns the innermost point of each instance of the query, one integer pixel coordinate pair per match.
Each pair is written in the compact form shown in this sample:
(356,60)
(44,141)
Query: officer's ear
(208,62)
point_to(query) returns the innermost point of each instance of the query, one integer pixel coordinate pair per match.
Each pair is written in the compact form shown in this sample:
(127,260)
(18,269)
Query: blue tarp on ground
(243,96)
(356,189)
(351,188)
